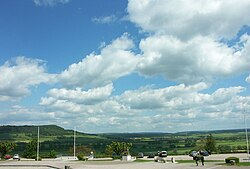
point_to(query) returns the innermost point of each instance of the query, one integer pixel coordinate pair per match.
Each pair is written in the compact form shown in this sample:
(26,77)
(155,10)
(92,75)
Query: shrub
(81,157)
(116,157)
(52,154)
(39,159)
(230,160)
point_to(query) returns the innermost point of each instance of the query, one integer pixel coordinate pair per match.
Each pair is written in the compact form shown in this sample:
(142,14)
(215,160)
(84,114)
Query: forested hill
(24,133)
(46,130)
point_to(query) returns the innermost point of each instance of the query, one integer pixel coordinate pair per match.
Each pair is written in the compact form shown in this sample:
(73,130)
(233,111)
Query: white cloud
(53,104)
(92,96)
(19,115)
(17,76)
(248,79)
(192,61)
(104,19)
(93,120)
(147,109)
(153,99)
(187,18)
(49,2)
(114,61)
(184,44)
(224,95)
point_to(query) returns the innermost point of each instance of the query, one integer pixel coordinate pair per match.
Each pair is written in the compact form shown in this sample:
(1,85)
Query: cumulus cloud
(19,115)
(181,98)
(184,44)
(49,2)
(104,19)
(92,96)
(185,19)
(199,59)
(114,61)
(93,120)
(152,99)
(149,109)
(248,79)
(19,75)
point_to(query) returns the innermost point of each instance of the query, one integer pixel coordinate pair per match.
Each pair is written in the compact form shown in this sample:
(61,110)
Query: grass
(244,164)
(142,161)
(185,161)
(192,161)
(240,164)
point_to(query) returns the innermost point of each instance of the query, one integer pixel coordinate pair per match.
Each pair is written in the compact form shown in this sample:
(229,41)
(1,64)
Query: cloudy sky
(125,66)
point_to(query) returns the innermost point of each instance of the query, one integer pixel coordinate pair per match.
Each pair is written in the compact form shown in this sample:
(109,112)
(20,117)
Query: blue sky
(125,66)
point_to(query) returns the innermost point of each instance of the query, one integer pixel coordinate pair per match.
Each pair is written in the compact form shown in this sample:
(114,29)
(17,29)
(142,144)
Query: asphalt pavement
(60,164)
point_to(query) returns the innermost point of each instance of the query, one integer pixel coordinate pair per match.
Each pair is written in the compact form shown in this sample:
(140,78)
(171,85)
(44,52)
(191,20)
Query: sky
(125,66)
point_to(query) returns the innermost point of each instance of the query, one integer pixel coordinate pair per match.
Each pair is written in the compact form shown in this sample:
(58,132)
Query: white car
(163,154)
(16,157)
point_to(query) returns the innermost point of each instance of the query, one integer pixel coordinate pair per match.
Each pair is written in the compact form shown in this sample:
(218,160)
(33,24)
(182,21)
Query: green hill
(21,133)
(56,138)
(27,133)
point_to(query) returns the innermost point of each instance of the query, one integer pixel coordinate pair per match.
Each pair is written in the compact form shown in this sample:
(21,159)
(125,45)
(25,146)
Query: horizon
(142,132)
(125,66)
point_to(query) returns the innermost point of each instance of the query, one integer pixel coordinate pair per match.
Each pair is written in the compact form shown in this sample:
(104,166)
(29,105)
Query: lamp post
(37,151)
(246,135)
(74,143)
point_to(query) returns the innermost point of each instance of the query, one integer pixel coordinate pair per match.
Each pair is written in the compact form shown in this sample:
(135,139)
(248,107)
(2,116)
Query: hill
(56,138)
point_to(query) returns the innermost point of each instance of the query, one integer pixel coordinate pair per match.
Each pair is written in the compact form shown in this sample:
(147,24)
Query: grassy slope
(47,133)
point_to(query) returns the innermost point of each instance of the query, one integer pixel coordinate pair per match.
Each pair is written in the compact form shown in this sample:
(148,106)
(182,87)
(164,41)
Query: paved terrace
(60,164)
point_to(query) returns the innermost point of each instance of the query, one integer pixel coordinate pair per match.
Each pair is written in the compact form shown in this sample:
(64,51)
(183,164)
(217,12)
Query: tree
(210,144)
(52,154)
(81,150)
(224,149)
(118,148)
(6,147)
(31,148)
(190,142)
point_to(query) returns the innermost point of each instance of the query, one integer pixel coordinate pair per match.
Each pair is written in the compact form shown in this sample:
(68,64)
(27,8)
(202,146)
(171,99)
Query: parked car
(7,156)
(163,154)
(140,155)
(193,154)
(16,157)
(151,155)
(205,153)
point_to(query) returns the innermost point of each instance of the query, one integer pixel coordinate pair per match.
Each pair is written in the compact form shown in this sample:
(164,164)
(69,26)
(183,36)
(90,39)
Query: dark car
(204,153)
(151,155)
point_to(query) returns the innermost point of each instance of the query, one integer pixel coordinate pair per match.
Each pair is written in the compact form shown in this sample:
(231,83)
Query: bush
(39,159)
(116,157)
(81,157)
(232,160)
(52,154)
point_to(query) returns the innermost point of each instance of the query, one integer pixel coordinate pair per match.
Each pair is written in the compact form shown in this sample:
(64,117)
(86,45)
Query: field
(60,140)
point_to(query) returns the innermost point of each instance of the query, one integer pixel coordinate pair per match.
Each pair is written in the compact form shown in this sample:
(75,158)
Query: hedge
(235,160)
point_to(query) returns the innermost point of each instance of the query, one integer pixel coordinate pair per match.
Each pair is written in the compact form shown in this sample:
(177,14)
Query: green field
(60,140)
